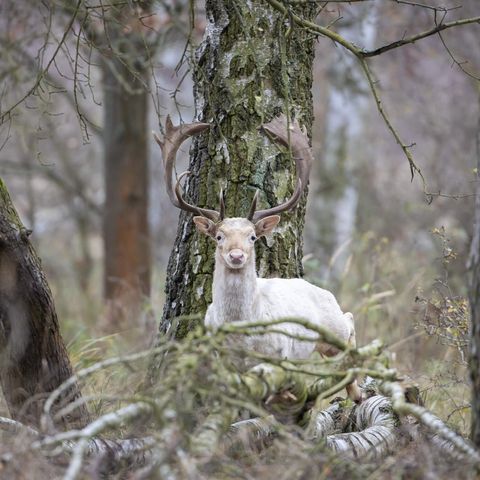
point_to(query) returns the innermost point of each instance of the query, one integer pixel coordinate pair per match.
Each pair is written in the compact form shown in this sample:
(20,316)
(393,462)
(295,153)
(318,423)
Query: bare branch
(433,423)
(414,38)
(426,6)
(362,56)
(406,148)
(41,75)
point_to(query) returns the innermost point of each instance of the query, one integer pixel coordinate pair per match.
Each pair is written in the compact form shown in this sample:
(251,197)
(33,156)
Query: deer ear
(205,226)
(266,225)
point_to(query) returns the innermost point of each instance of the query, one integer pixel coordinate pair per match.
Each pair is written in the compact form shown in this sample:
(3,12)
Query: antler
(293,136)
(174,136)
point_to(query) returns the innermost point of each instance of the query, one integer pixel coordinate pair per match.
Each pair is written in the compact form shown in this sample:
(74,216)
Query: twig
(13,426)
(432,422)
(110,420)
(42,73)
(250,327)
(414,38)
(45,421)
(362,56)
(406,148)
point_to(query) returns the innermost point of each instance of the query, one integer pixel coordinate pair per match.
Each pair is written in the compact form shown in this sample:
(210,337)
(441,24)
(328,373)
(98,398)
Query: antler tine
(253,206)
(293,136)
(174,136)
(222,205)
(183,205)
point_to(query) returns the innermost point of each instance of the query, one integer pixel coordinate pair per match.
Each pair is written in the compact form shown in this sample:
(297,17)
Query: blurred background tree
(474,297)
(128,48)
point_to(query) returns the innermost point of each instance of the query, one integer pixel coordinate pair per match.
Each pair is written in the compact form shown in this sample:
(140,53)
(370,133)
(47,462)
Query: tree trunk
(126,228)
(251,66)
(34,360)
(475,308)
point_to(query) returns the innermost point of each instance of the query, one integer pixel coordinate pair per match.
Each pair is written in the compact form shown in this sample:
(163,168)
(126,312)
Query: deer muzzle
(236,258)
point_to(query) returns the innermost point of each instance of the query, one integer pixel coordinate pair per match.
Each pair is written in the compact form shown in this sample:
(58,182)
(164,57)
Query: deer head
(235,237)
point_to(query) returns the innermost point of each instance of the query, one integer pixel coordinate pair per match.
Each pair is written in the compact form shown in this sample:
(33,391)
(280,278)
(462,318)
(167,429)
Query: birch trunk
(250,66)
(373,432)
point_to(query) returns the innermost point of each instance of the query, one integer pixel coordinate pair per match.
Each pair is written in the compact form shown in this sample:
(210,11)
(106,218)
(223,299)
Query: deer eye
(218,237)
(253,238)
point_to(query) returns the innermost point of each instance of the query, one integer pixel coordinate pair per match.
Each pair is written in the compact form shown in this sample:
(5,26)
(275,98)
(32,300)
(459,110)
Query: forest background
(393,248)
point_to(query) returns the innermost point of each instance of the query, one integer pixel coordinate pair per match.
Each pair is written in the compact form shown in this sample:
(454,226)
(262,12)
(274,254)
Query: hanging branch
(406,148)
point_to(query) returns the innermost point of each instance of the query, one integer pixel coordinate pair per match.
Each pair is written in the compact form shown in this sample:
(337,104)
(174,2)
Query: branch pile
(204,418)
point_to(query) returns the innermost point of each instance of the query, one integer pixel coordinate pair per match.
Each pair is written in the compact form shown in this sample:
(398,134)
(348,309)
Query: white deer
(238,295)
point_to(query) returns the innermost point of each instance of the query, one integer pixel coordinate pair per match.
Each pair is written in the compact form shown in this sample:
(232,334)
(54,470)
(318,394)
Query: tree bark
(126,228)
(33,357)
(251,66)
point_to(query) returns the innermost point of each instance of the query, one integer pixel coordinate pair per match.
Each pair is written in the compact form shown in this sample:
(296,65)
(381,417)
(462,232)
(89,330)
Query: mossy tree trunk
(252,65)
(33,357)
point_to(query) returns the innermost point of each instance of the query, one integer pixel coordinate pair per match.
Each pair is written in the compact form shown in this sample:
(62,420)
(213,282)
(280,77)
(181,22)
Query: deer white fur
(238,295)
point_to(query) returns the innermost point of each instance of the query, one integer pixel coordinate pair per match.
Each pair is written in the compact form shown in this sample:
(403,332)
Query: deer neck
(235,291)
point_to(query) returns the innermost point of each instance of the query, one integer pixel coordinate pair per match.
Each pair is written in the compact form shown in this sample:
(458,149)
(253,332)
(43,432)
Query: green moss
(187,324)
(6,203)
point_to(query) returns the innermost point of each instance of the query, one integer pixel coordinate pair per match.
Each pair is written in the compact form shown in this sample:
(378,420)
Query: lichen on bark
(252,65)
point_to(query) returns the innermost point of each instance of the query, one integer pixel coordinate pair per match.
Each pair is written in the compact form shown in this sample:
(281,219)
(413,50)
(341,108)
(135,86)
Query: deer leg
(353,390)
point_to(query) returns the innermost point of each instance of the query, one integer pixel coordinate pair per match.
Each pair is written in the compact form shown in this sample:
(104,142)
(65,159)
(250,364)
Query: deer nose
(236,256)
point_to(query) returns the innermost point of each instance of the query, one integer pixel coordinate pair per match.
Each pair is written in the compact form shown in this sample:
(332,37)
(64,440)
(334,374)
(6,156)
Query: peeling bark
(33,357)
(252,435)
(325,422)
(373,432)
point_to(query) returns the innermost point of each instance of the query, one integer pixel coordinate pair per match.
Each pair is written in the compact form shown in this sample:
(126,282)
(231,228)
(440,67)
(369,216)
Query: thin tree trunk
(475,308)
(126,228)
(33,357)
(250,67)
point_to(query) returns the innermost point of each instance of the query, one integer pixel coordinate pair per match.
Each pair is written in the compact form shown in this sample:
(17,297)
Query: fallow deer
(238,295)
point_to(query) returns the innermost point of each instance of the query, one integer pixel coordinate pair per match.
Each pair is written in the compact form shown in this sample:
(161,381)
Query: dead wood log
(325,422)
(111,454)
(252,435)
(373,430)
(205,440)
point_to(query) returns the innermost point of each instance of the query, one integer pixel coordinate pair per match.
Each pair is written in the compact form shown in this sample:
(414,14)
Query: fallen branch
(429,420)
(193,413)
(250,436)
(46,421)
(374,431)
